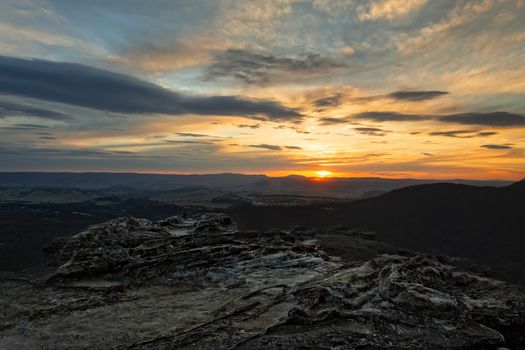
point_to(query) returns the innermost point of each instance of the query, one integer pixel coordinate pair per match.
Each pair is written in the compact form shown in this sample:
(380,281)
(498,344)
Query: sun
(323,173)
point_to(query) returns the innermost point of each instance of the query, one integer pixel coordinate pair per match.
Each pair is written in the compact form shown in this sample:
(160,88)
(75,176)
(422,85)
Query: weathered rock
(198,283)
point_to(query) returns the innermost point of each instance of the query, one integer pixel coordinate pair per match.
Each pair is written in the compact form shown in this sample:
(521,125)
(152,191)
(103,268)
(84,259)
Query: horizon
(313,177)
(384,88)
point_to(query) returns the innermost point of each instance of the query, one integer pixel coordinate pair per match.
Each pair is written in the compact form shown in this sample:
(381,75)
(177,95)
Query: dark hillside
(482,223)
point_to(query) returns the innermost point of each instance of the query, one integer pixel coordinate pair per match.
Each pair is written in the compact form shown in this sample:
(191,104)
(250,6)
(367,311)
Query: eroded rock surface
(199,283)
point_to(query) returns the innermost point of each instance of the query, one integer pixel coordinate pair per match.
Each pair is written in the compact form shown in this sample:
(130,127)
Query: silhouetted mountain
(482,223)
(353,188)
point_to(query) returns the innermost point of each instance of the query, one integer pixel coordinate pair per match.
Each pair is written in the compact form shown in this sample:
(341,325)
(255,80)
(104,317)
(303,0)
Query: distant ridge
(353,188)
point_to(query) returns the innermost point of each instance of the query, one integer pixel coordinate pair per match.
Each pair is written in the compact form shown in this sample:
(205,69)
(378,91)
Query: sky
(386,88)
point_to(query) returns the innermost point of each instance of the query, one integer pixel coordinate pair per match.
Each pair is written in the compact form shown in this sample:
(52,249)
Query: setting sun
(323,173)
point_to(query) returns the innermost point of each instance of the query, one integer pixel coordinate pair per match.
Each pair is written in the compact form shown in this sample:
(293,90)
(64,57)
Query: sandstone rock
(196,282)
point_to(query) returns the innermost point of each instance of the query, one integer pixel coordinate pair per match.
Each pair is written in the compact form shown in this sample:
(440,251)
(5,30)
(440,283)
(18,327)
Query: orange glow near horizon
(323,173)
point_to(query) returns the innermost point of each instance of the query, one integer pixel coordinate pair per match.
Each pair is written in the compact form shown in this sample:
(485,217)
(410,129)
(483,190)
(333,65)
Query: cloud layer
(407,88)
(90,87)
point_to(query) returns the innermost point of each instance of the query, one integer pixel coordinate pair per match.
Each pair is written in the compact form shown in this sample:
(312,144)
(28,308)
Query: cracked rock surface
(197,282)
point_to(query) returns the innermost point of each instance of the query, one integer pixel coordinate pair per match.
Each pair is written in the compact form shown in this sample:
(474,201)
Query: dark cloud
(388,116)
(408,95)
(463,134)
(292,147)
(10,109)
(95,88)
(31,126)
(188,134)
(497,146)
(45,153)
(502,119)
(265,146)
(329,101)
(187,142)
(334,121)
(487,133)
(251,126)
(24,127)
(453,133)
(371,131)
(257,68)
(415,95)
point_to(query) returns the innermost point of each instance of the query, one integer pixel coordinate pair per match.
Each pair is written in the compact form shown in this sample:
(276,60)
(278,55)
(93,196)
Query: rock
(196,282)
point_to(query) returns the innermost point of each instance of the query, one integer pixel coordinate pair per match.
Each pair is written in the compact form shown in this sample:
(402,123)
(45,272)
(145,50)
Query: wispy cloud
(10,109)
(189,134)
(371,131)
(497,146)
(250,126)
(188,142)
(495,119)
(266,146)
(259,68)
(501,119)
(388,116)
(464,134)
(416,95)
(388,9)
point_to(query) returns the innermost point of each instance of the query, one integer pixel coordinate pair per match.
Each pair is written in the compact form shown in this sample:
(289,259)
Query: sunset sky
(389,88)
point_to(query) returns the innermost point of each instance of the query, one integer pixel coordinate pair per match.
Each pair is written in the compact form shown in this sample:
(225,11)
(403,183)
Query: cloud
(334,121)
(388,116)
(371,131)
(438,32)
(292,147)
(44,153)
(389,9)
(188,134)
(496,119)
(336,99)
(169,54)
(90,87)
(453,133)
(187,142)
(487,133)
(25,126)
(464,134)
(329,101)
(416,95)
(497,146)
(251,126)
(501,119)
(258,68)
(10,109)
(268,147)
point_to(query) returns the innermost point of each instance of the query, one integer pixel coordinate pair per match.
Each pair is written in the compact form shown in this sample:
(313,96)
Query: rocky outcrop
(198,283)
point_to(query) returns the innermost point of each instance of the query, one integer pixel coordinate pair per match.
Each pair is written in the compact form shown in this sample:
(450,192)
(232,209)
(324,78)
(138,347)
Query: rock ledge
(197,282)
